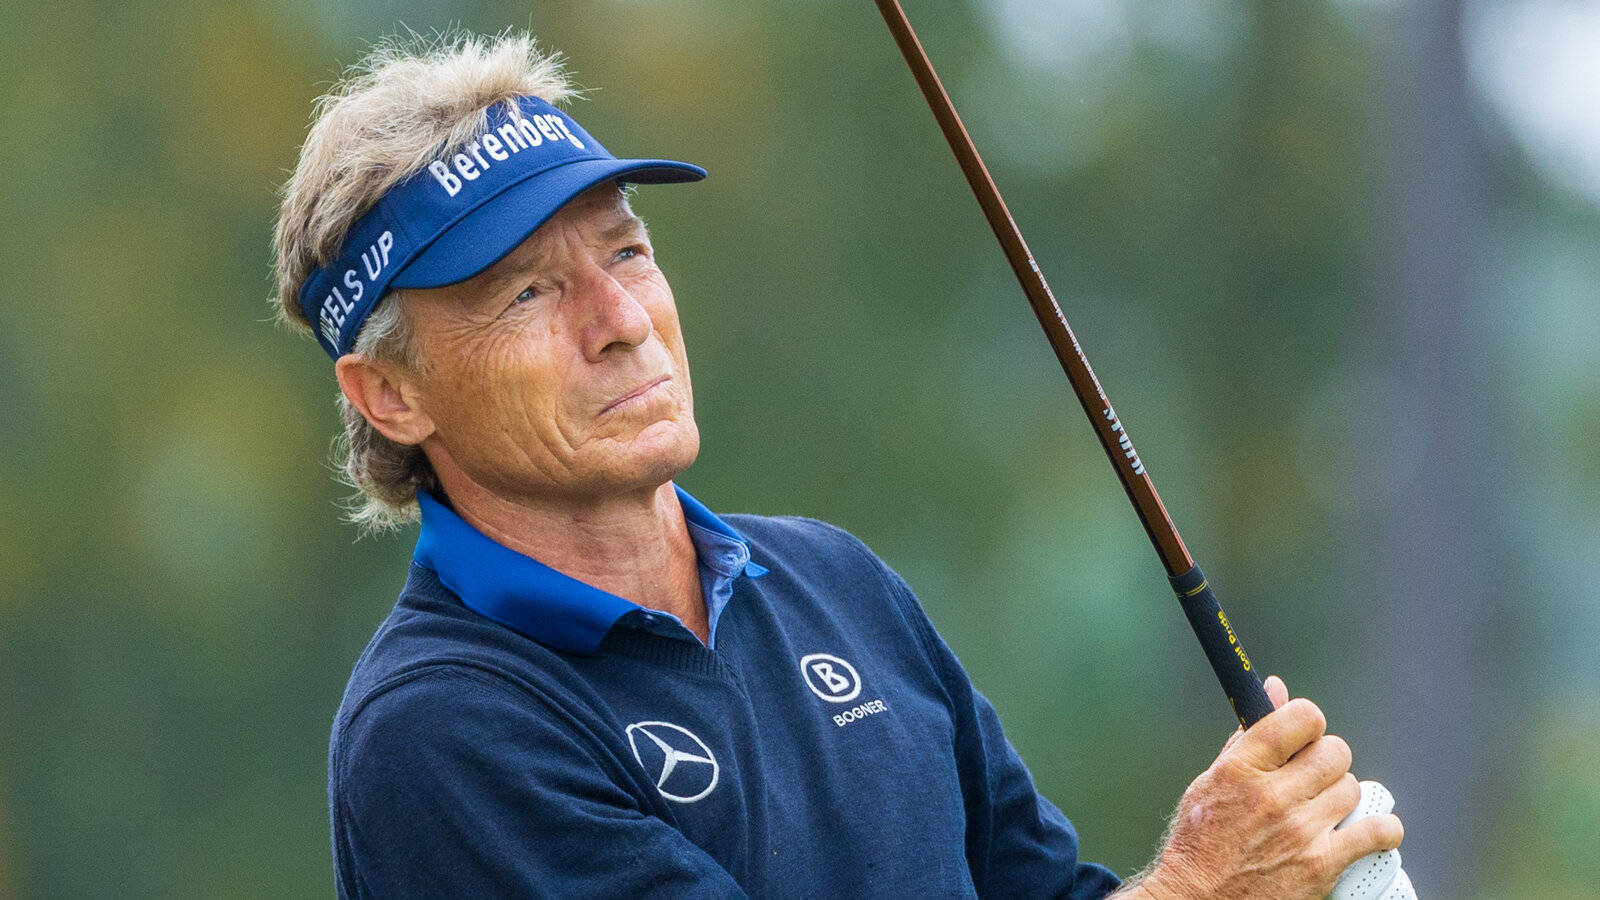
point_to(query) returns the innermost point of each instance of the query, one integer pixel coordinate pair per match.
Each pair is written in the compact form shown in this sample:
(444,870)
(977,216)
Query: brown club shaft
(1113,437)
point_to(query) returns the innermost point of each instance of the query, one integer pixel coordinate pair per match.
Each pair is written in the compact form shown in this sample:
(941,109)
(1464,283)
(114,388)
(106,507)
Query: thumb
(1277,691)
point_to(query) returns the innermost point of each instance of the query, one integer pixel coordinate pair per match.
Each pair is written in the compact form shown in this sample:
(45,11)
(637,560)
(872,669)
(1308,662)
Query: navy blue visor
(465,211)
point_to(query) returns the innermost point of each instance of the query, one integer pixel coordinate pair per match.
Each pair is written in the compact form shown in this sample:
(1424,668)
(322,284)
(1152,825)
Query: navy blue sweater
(510,731)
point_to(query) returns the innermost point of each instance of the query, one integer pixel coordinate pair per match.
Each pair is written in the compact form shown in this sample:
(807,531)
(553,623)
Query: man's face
(560,371)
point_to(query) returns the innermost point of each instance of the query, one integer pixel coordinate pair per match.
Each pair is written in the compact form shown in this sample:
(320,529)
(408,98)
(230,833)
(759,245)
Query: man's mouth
(637,394)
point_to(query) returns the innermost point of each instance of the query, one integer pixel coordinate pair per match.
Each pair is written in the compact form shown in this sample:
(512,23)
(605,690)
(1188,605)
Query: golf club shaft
(1221,645)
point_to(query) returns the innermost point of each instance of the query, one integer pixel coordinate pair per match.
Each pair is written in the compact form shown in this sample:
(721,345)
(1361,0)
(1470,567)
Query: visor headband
(338,297)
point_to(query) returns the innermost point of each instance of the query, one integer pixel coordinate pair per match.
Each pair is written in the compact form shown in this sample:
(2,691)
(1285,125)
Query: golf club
(1376,876)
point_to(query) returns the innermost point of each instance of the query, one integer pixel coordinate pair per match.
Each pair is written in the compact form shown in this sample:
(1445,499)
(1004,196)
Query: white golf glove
(1379,876)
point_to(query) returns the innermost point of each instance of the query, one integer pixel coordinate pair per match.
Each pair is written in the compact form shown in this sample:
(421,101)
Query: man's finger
(1270,742)
(1330,807)
(1277,692)
(1318,766)
(1365,836)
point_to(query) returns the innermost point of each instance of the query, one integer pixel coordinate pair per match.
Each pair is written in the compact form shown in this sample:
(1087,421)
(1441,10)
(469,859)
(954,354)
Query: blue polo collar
(528,596)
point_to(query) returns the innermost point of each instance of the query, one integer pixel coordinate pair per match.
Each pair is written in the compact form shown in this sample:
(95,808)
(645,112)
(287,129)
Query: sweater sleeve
(452,783)
(1018,843)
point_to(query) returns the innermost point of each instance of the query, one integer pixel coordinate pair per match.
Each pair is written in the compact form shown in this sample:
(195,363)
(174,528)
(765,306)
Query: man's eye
(627,253)
(527,294)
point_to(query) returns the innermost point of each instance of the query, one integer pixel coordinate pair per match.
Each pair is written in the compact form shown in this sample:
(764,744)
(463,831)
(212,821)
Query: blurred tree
(1444,634)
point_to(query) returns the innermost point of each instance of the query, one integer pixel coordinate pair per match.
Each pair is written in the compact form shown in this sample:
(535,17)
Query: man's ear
(386,396)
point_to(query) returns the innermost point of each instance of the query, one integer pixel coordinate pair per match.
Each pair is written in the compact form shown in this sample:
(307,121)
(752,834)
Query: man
(591,684)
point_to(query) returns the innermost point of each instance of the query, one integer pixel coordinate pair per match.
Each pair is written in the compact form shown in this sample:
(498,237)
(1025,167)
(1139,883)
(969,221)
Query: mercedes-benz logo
(687,768)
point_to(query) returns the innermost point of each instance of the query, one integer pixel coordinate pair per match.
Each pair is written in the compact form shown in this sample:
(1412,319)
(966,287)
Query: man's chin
(660,453)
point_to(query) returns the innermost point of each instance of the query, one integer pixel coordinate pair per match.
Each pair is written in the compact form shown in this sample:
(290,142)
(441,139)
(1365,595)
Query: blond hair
(408,102)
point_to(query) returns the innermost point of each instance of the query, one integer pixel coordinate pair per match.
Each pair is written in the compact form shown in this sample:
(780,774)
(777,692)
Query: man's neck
(636,546)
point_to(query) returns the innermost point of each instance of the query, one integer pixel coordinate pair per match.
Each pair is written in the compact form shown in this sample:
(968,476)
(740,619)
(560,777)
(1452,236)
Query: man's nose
(614,318)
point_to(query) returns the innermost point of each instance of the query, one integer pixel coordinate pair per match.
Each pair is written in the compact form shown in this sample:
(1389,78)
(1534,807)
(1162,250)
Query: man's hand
(1260,821)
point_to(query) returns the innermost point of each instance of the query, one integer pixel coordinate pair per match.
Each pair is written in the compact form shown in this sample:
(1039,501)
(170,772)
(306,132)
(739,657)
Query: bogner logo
(830,677)
(684,768)
(836,681)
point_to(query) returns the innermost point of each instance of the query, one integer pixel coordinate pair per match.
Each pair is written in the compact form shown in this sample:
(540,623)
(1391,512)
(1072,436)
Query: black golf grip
(1228,659)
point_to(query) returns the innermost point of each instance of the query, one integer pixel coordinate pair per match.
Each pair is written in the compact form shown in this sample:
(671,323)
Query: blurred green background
(1334,260)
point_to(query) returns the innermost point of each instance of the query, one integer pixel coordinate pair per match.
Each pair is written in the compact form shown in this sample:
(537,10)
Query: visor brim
(484,236)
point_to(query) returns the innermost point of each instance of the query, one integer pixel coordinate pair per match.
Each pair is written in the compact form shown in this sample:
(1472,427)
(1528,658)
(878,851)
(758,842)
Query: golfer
(592,685)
